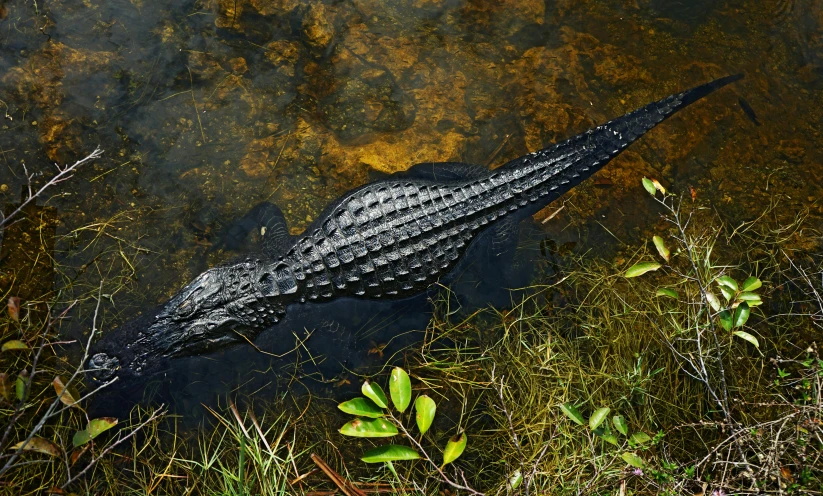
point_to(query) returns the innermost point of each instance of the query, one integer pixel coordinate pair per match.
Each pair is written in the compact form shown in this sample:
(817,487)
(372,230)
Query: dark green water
(207,108)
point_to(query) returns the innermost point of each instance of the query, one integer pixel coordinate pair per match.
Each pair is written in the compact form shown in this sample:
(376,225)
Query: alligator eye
(188,307)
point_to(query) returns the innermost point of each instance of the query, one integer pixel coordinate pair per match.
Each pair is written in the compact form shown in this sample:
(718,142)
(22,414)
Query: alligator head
(221,306)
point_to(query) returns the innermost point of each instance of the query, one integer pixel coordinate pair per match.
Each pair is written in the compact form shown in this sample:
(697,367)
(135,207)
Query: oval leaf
(400,389)
(362,407)
(641,268)
(369,428)
(749,297)
(666,292)
(751,283)
(713,301)
(728,282)
(100,425)
(598,417)
(572,413)
(620,424)
(727,292)
(649,186)
(659,187)
(20,385)
(80,438)
(39,445)
(425,409)
(661,247)
(726,319)
(748,337)
(14,344)
(455,448)
(390,453)
(633,460)
(609,438)
(639,438)
(375,393)
(741,315)
(515,480)
(67,396)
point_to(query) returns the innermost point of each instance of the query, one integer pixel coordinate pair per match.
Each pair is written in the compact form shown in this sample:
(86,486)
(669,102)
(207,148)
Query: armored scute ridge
(388,239)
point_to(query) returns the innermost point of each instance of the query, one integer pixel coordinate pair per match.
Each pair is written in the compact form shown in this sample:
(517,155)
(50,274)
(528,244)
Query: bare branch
(63,174)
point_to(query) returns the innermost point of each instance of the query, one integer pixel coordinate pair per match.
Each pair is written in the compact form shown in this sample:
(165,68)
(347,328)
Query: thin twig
(154,416)
(443,475)
(63,174)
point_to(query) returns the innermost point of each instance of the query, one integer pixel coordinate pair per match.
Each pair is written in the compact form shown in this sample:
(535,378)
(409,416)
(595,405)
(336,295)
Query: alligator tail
(550,172)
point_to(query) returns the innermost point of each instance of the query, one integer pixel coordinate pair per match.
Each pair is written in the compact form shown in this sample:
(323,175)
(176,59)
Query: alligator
(391,238)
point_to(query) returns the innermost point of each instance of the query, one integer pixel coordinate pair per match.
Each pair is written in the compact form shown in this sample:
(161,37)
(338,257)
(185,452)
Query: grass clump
(698,373)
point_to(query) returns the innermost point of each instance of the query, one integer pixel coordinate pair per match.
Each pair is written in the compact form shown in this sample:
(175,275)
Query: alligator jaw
(219,308)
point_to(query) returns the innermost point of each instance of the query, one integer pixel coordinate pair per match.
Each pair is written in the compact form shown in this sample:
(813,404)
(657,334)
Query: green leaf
(572,412)
(608,437)
(741,314)
(713,301)
(390,453)
(95,428)
(369,428)
(667,292)
(633,460)
(727,292)
(750,297)
(14,344)
(620,424)
(80,438)
(400,389)
(39,445)
(649,185)
(455,448)
(641,268)
(661,247)
(375,393)
(20,385)
(598,417)
(100,425)
(748,337)
(728,282)
(751,283)
(515,480)
(639,438)
(425,409)
(362,407)
(726,319)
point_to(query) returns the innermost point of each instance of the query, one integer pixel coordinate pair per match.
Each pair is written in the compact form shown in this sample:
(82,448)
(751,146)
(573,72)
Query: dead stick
(348,488)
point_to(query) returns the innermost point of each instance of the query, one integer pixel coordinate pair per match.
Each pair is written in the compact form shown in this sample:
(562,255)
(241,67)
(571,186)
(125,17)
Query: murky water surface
(207,108)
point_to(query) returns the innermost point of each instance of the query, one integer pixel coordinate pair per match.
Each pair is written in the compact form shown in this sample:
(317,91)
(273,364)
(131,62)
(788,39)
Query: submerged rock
(317,29)
(369,103)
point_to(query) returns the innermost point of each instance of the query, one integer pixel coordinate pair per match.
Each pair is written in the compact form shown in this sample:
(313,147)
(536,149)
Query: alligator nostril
(103,367)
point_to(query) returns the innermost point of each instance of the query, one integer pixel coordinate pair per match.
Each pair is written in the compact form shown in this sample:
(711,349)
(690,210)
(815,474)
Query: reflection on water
(208,108)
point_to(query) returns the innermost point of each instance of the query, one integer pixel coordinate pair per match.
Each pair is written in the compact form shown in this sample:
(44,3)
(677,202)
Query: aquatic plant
(375,419)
